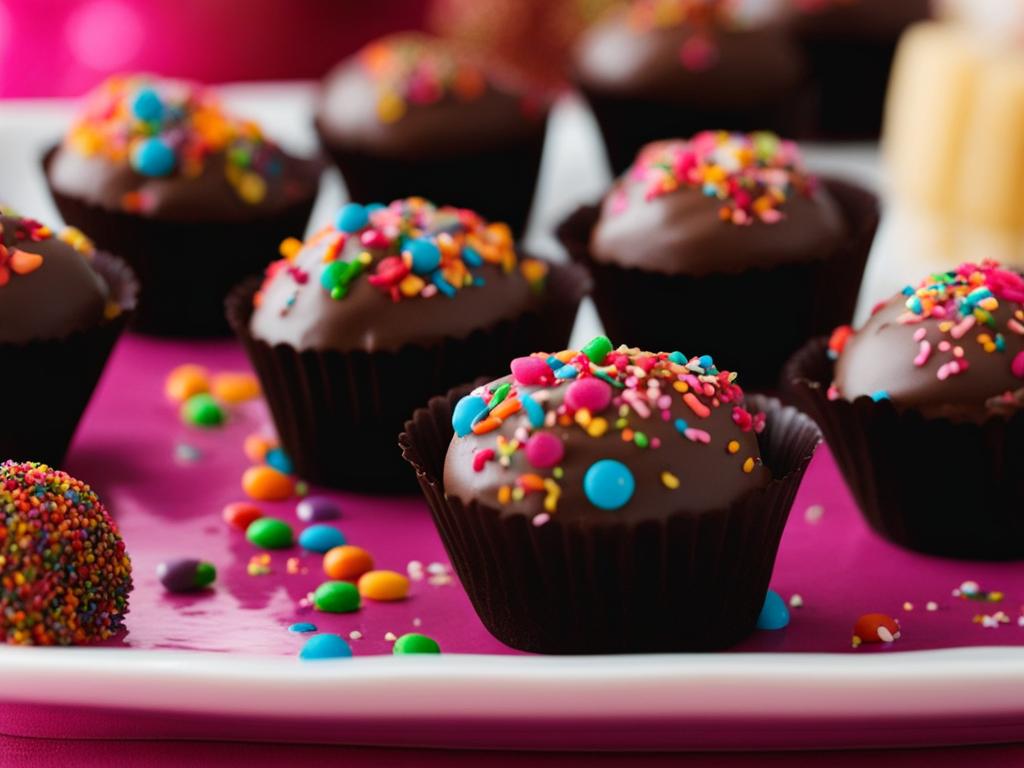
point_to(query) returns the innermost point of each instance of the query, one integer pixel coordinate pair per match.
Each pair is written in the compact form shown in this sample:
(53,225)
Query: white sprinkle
(908,606)
(440,581)
(355,634)
(969,588)
(390,637)
(931,605)
(1020,621)
(796,601)
(989,622)
(813,513)
(417,622)
(885,635)
(435,569)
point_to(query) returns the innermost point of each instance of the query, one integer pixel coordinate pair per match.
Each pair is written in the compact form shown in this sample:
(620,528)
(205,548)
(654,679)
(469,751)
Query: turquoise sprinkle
(554,363)
(533,409)
(471,257)
(442,285)
(567,372)
(880,394)
(678,358)
(681,426)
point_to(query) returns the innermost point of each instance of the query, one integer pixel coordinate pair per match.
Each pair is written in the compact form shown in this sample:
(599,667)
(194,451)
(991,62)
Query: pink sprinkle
(539,520)
(696,405)
(697,435)
(480,459)
(1015,326)
(666,415)
(833,393)
(943,373)
(958,330)
(1017,366)
(636,403)
(655,442)
(619,201)
(945,346)
(920,333)
(374,238)
(532,371)
(591,393)
(665,402)
(924,354)
(544,450)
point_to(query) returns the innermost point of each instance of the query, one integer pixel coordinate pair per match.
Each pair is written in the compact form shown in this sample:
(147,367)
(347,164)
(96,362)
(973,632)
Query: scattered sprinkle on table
(270,533)
(241,514)
(347,563)
(337,597)
(383,586)
(325,646)
(321,538)
(875,628)
(202,410)
(415,643)
(264,483)
(186,574)
(774,613)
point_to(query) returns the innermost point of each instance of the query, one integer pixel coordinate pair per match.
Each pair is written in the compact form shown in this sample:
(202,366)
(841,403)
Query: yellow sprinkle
(734,446)
(252,188)
(290,248)
(411,285)
(681,386)
(671,481)
(390,107)
(583,417)
(364,258)
(597,427)
(748,465)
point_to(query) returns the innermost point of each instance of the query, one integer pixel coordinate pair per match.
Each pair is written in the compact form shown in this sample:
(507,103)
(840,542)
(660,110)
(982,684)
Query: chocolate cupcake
(931,386)
(193,198)
(611,500)
(373,315)
(725,242)
(414,115)
(849,46)
(62,307)
(64,571)
(654,69)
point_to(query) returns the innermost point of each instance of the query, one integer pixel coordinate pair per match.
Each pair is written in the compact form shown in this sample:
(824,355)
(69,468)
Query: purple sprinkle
(315,509)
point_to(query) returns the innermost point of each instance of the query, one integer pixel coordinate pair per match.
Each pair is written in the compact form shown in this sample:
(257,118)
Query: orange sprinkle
(530,482)
(734,446)
(506,408)
(23,262)
(748,465)
(627,435)
(504,494)
(486,425)
(696,405)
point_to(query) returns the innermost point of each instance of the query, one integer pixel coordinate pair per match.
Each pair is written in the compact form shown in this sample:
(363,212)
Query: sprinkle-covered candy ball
(64,573)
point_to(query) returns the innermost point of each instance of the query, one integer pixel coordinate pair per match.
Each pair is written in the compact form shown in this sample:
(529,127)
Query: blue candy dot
(426,256)
(325,647)
(608,484)
(678,358)
(466,411)
(774,613)
(374,207)
(681,425)
(554,363)
(880,394)
(153,157)
(352,217)
(534,411)
(279,460)
(147,105)
(320,538)
(706,362)
(302,627)
(567,372)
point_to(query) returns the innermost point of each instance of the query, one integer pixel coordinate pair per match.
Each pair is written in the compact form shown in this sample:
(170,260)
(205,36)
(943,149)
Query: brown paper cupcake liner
(627,124)
(46,384)
(498,183)
(760,316)
(690,582)
(338,414)
(929,484)
(185,268)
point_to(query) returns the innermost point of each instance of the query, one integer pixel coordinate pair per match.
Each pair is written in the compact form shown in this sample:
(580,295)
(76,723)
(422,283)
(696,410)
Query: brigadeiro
(611,500)
(414,115)
(922,410)
(725,241)
(62,307)
(849,46)
(380,310)
(65,576)
(652,69)
(192,197)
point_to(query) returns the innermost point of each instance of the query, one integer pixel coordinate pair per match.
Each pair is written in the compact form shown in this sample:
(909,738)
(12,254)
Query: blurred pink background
(64,47)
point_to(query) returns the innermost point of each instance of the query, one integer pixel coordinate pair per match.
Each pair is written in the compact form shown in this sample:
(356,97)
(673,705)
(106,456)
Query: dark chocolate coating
(710,477)
(880,356)
(367,319)
(346,117)
(874,20)
(754,66)
(98,181)
(682,233)
(65,294)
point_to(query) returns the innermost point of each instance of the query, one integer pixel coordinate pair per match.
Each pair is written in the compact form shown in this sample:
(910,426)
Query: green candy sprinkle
(415,643)
(202,411)
(206,574)
(269,533)
(641,440)
(336,597)
(597,349)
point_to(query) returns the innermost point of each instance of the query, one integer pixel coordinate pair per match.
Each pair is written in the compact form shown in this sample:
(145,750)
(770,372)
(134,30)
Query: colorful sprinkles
(414,69)
(608,393)
(751,174)
(23,260)
(410,248)
(163,128)
(64,573)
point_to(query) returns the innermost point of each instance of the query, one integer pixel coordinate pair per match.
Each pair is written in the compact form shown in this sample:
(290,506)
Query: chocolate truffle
(383,277)
(414,115)
(390,305)
(64,573)
(48,287)
(620,435)
(720,202)
(659,68)
(607,500)
(729,226)
(192,197)
(951,347)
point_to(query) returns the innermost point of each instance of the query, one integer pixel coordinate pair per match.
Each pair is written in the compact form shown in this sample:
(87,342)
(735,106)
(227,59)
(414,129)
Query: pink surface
(167,508)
